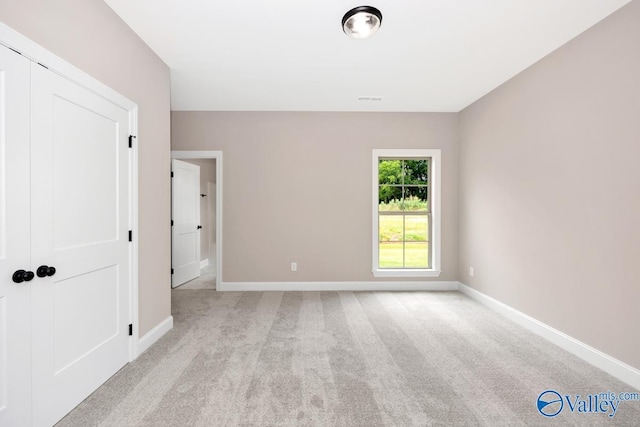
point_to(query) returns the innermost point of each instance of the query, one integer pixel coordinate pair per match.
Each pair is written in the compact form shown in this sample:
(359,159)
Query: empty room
(319,213)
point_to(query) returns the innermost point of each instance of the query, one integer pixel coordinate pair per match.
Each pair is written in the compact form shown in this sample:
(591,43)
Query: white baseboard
(154,334)
(204,263)
(338,286)
(610,365)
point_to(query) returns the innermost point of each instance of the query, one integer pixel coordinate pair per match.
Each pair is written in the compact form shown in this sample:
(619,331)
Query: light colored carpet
(207,280)
(344,359)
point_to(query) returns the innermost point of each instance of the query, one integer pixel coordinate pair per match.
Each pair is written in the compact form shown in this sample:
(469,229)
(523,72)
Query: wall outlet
(294,266)
(471,271)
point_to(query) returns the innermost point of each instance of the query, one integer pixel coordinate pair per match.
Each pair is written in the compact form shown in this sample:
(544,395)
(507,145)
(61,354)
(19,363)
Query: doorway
(210,219)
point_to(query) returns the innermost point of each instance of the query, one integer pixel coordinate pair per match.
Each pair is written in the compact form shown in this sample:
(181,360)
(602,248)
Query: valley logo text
(551,403)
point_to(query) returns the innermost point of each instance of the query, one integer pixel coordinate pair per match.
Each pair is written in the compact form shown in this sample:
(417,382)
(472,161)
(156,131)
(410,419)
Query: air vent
(369,98)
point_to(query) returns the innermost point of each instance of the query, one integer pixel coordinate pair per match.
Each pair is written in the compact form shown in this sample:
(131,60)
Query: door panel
(79,220)
(185,206)
(90,145)
(98,292)
(15,308)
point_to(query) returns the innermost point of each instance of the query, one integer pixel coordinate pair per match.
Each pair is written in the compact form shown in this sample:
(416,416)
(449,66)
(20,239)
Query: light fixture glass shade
(361,22)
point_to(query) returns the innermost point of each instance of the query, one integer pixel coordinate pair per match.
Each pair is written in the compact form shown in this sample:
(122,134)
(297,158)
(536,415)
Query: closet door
(15,338)
(80,227)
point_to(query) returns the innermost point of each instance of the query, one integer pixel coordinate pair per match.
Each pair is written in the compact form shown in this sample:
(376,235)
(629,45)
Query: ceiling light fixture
(361,22)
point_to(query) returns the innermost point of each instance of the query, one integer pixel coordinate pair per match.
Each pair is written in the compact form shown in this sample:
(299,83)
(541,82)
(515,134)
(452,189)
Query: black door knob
(199,227)
(22,276)
(44,270)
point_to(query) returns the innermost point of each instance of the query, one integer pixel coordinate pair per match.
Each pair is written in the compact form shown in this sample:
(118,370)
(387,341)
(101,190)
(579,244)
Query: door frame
(33,51)
(217,155)
(211,186)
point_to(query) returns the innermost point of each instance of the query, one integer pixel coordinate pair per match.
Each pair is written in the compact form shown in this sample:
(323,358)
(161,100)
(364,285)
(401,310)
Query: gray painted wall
(549,209)
(297,187)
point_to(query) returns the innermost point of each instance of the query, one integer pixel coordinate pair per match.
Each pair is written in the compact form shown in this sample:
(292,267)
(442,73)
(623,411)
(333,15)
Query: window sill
(406,273)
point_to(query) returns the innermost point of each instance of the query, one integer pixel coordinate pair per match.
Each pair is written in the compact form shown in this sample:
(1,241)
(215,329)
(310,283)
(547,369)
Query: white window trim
(434,185)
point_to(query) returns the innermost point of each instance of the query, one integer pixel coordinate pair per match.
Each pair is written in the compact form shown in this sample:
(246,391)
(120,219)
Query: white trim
(338,286)
(33,51)
(390,272)
(217,155)
(133,220)
(436,217)
(595,357)
(155,334)
(204,263)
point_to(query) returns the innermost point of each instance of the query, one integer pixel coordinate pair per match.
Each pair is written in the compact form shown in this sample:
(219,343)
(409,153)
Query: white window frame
(435,193)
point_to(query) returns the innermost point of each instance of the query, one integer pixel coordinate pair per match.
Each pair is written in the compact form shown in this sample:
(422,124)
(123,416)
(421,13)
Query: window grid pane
(404,241)
(404,218)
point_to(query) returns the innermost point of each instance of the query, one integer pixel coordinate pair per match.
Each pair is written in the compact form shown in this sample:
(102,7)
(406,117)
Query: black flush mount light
(361,22)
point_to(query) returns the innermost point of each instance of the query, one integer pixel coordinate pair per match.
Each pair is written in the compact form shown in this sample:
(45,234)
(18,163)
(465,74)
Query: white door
(185,214)
(15,311)
(79,226)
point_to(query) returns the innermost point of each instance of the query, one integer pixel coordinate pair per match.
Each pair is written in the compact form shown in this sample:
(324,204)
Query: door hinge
(172,271)
(172,223)
(130,329)
(131,235)
(131,141)
(171,174)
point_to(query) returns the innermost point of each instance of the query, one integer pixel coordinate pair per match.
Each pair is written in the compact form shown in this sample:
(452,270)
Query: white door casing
(185,214)
(219,210)
(15,304)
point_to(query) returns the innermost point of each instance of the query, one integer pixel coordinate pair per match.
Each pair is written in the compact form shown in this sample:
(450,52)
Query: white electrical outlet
(294,266)
(471,271)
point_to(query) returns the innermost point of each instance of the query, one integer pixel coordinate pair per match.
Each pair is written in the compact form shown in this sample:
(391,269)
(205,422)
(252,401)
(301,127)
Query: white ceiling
(291,55)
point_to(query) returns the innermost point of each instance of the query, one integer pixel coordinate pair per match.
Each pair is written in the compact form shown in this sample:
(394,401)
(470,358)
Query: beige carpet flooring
(344,359)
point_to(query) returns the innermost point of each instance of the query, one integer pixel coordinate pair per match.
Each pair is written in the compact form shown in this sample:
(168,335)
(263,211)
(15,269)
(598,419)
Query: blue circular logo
(550,403)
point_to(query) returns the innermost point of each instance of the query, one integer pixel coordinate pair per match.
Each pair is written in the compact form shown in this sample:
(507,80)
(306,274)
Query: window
(406,213)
